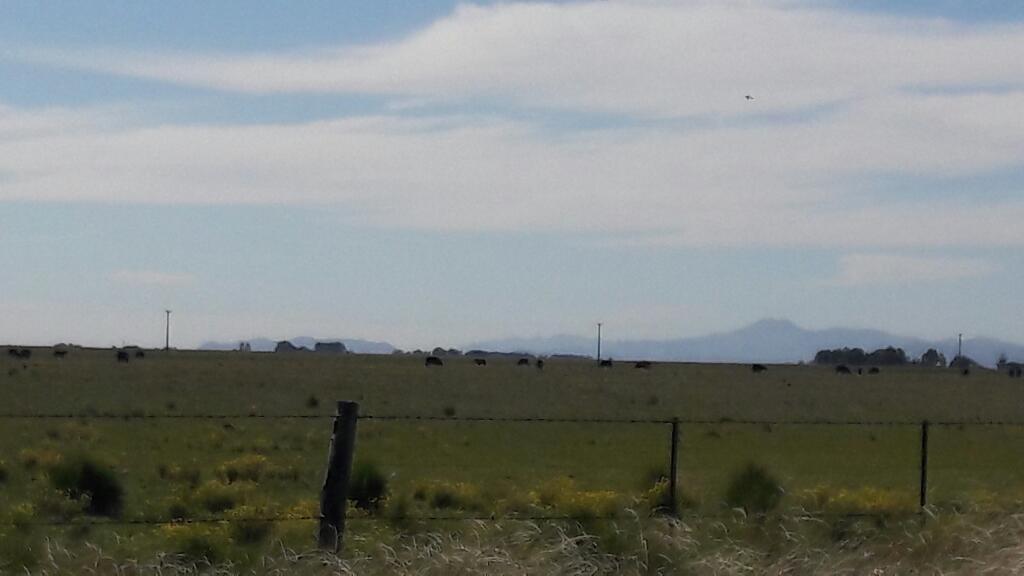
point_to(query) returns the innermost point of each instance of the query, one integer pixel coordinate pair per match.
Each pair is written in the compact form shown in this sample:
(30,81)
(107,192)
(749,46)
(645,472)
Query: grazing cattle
(758,368)
(842,369)
(480,362)
(540,364)
(433,361)
(606,363)
(874,370)
(523,362)
(14,352)
(643,365)
(60,353)
(122,356)
(140,354)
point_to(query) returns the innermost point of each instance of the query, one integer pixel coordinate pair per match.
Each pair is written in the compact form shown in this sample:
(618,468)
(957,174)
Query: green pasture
(171,465)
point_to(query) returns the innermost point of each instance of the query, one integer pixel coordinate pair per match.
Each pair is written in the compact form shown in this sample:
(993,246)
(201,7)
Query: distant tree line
(858,357)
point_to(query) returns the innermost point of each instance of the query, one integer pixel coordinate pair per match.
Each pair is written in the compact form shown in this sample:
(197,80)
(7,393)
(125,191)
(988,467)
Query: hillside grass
(204,468)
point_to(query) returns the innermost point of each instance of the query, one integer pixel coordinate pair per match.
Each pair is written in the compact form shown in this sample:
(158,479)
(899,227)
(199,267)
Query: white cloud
(884,269)
(152,278)
(760,184)
(649,58)
(893,97)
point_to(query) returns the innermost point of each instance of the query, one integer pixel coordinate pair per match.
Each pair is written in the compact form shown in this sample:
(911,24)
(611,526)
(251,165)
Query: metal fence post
(673,473)
(924,463)
(334,495)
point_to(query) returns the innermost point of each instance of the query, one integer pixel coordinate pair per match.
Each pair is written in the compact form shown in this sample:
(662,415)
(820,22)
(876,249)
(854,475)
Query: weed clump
(754,490)
(215,497)
(249,468)
(368,486)
(83,478)
(198,542)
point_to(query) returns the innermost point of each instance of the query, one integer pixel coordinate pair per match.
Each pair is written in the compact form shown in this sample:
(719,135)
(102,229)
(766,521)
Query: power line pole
(959,345)
(598,341)
(167,331)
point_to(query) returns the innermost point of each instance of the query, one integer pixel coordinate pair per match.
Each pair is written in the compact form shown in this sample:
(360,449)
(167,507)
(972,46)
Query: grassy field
(246,467)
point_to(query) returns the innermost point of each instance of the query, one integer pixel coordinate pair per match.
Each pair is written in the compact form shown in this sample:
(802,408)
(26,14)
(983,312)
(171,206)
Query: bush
(368,486)
(215,497)
(198,542)
(754,490)
(250,467)
(82,477)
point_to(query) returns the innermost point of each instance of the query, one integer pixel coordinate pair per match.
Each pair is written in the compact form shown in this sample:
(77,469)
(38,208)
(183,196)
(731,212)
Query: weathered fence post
(334,496)
(673,473)
(924,463)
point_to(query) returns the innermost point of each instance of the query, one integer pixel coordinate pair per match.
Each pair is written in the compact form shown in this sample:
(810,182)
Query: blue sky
(435,173)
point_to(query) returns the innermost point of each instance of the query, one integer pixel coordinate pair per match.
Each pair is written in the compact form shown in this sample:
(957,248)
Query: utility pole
(167,331)
(959,345)
(598,341)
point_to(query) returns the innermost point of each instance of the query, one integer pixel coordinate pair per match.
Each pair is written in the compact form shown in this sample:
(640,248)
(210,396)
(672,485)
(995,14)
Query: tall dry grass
(953,544)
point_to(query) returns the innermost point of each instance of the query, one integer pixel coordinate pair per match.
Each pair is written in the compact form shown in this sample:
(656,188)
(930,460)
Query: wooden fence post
(673,473)
(334,496)
(924,463)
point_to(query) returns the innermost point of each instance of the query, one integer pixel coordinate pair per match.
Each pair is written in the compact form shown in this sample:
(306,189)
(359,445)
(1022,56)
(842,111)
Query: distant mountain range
(267,345)
(770,341)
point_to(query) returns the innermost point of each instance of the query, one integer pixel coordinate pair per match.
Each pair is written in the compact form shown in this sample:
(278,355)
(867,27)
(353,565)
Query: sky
(436,173)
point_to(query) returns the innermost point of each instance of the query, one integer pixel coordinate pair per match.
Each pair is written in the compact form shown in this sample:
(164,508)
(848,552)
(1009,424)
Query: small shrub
(82,477)
(449,411)
(198,542)
(368,486)
(398,510)
(216,497)
(178,511)
(312,402)
(249,525)
(42,458)
(250,468)
(175,473)
(754,490)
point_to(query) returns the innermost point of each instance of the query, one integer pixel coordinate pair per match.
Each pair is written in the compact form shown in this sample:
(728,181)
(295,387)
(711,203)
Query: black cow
(758,368)
(643,365)
(14,352)
(606,363)
(480,362)
(433,361)
(843,369)
(874,370)
(122,356)
(140,354)
(523,362)
(540,364)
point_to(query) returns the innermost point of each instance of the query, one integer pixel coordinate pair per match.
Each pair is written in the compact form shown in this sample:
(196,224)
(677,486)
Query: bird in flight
(749,97)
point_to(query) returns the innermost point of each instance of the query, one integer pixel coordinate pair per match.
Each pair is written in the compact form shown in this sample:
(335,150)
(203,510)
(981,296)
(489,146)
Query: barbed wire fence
(332,516)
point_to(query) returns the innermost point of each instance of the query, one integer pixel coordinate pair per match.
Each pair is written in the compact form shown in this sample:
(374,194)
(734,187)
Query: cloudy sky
(435,172)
